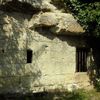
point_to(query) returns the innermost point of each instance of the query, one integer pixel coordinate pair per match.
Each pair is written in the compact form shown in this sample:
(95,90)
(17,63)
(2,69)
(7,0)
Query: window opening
(29,56)
(2,51)
(81,59)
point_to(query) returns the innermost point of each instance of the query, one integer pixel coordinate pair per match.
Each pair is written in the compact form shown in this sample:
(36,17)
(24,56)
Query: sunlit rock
(48,19)
(67,25)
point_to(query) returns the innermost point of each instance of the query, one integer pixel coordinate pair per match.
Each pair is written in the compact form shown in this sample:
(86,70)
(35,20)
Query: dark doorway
(81,59)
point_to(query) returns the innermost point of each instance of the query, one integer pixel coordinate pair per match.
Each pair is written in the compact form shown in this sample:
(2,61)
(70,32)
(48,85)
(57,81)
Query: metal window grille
(81,59)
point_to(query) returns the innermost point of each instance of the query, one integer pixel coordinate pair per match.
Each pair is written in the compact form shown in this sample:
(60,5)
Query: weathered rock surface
(48,19)
(13,27)
(46,6)
(67,25)
(63,24)
(34,3)
(53,57)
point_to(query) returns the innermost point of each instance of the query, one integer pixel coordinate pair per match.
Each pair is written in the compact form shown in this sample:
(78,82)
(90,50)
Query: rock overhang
(59,23)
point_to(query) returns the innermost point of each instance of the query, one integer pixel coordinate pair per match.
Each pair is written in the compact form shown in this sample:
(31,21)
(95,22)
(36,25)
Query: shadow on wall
(17,6)
(95,61)
(15,75)
(78,41)
(75,41)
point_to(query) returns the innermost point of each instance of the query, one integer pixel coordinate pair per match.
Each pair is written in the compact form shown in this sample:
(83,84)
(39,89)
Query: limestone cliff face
(34,25)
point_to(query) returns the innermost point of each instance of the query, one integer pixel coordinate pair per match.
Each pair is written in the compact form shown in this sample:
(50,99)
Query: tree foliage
(88,14)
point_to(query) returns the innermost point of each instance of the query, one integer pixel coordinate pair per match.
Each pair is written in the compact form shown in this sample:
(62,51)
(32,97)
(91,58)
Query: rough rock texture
(46,6)
(34,3)
(53,60)
(64,24)
(67,25)
(48,19)
(41,4)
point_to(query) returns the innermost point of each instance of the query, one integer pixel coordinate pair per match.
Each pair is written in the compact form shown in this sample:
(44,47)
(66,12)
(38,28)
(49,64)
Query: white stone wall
(53,64)
(53,57)
(55,60)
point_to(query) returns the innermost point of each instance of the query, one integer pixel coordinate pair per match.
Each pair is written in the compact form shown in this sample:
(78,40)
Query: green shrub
(88,14)
(75,95)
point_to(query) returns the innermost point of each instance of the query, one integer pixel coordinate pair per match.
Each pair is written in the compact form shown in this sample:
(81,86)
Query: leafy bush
(75,95)
(88,14)
(97,84)
(94,75)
